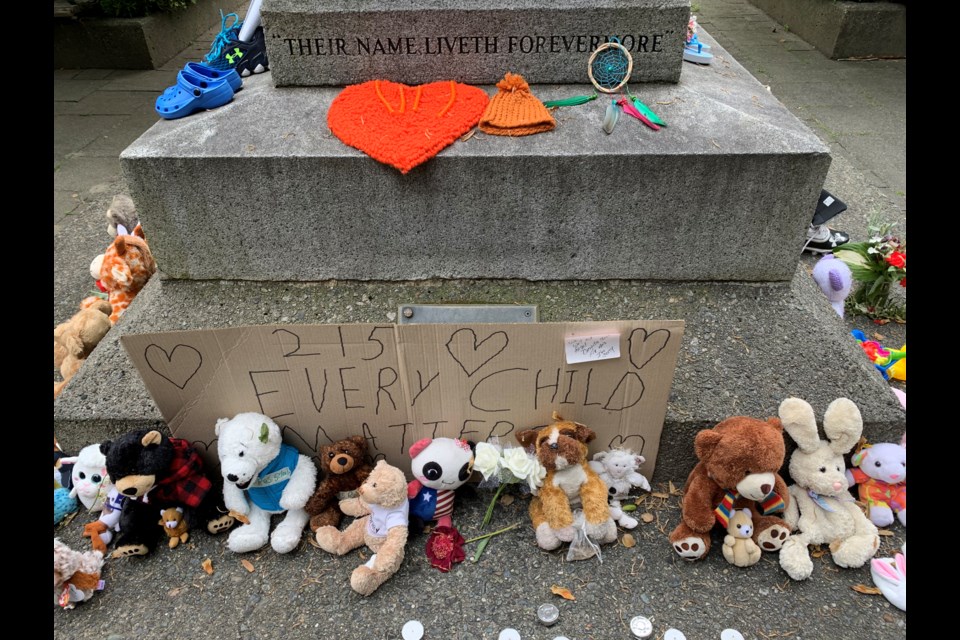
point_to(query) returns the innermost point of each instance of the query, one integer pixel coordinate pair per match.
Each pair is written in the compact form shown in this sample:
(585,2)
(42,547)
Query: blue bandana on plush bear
(267,489)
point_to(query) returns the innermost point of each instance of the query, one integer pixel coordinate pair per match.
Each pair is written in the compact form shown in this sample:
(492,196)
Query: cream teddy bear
(382,514)
(822,509)
(738,546)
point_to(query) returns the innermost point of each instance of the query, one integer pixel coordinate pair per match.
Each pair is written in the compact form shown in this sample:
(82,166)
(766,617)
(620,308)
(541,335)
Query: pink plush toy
(440,466)
(881,473)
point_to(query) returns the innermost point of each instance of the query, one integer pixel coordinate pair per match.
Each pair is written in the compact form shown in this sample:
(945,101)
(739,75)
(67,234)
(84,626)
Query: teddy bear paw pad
(130,550)
(773,538)
(220,524)
(690,548)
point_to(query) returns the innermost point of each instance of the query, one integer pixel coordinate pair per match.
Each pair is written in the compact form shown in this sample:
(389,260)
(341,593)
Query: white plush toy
(890,576)
(90,482)
(618,470)
(263,476)
(822,508)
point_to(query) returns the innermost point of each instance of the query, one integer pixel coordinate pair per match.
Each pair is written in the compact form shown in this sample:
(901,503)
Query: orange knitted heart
(404,126)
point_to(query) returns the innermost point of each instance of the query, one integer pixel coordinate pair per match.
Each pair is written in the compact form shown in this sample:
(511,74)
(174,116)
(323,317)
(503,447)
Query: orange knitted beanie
(514,111)
(404,126)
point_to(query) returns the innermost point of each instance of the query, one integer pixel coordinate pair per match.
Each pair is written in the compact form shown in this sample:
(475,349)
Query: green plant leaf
(480,548)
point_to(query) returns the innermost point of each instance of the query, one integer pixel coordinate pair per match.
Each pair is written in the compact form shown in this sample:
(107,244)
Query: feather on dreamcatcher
(609,69)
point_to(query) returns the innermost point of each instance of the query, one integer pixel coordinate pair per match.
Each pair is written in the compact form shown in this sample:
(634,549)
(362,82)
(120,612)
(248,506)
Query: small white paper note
(590,348)
(828,201)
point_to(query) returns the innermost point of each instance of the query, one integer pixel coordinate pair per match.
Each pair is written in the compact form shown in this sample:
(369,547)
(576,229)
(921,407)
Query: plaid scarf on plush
(771,504)
(186,485)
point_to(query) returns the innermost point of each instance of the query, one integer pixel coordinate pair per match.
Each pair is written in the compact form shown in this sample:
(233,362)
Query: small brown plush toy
(738,546)
(75,339)
(175,526)
(344,469)
(385,512)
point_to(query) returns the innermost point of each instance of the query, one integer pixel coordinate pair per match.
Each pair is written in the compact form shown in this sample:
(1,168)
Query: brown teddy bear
(75,339)
(382,512)
(344,468)
(561,448)
(738,469)
(174,526)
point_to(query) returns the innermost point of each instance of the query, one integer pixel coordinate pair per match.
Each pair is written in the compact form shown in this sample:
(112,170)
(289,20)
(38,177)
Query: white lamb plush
(618,470)
(262,476)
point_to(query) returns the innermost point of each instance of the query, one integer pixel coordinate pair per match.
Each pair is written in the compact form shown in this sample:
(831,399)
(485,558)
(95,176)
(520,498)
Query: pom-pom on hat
(514,111)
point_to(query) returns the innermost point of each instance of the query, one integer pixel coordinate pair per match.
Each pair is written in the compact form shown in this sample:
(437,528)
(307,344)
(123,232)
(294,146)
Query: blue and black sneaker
(229,52)
(228,33)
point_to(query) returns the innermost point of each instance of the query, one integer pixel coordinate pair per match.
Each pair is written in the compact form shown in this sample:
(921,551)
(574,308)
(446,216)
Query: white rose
(535,479)
(486,460)
(518,462)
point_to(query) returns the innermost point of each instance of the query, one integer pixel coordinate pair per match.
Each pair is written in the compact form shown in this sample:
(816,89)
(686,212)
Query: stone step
(261,190)
(745,348)
(340,42)
(842,29)
(146,42)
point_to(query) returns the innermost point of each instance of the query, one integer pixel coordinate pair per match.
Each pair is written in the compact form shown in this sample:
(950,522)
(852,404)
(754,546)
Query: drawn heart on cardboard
(177,373)
(468,353)
(644,347)
(206,446)
(619,441)
(404,126)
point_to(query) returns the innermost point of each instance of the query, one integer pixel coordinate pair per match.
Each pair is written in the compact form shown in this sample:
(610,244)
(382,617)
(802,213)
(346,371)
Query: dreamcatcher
(609,69)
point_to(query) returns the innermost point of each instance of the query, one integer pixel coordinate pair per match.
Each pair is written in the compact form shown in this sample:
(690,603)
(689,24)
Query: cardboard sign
(396,384)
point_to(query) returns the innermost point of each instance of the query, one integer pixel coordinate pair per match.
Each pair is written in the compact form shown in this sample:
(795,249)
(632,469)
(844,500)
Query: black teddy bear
(154,472)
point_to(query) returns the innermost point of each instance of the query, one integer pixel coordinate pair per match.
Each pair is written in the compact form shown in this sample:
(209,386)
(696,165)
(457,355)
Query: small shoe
(229,30)
(823,239)
(244,57)
(696,52)
(214,75)
(192,93)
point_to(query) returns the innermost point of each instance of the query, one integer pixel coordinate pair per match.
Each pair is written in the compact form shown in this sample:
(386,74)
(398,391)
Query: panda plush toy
(440,466)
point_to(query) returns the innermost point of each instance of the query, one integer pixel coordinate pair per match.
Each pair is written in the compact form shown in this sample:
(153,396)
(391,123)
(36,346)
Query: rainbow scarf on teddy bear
(773,503)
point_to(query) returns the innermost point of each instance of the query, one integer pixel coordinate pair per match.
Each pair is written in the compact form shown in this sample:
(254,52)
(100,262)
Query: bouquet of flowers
(877,265)
(502,467)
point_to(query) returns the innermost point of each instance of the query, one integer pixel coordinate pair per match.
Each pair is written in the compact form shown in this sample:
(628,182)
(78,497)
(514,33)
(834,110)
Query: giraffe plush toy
(127,266)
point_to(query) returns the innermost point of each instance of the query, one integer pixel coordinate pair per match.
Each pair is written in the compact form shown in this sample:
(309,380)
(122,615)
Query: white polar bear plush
(618,470)
(263,476)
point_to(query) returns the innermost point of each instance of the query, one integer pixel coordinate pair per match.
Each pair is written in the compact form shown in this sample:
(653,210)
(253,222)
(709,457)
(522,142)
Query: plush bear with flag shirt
(440,466)
(738,466)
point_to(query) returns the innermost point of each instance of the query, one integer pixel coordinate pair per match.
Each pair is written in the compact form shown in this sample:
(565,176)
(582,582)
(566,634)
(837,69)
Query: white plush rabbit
(822,509)
(890,576)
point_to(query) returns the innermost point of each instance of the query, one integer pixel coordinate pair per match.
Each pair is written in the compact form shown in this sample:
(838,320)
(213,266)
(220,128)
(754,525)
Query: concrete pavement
(857,108)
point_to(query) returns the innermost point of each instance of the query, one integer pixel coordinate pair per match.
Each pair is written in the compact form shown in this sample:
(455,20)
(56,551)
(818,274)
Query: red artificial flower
(903,283)
(871,348)
(897,259)
(445,548)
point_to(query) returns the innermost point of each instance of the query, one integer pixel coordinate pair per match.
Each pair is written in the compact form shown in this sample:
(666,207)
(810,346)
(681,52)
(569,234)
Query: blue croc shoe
(213,75)
(192,93)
